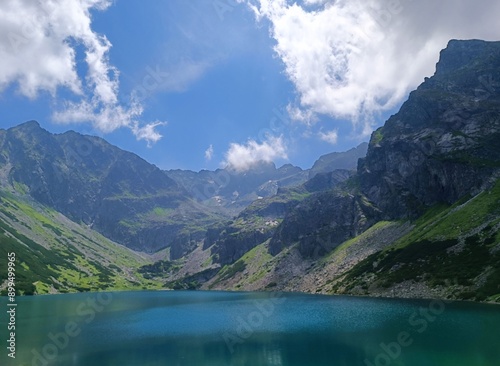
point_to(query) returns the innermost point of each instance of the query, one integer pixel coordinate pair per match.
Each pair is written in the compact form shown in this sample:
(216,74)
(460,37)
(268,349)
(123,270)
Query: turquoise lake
(249,329)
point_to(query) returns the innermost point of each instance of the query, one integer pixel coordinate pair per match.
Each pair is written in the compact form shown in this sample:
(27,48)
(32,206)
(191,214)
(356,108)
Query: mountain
(259,221)
(55,254)
(125,198)
(346,160)
(70,201)
(110,190)
(420,218)
(442,145)
(438,160)
(231,191)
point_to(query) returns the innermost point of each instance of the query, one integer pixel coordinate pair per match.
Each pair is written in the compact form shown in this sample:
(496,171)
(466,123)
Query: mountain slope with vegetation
(420,217)
(56,255)
(112,191)
(452,251)
(69,201)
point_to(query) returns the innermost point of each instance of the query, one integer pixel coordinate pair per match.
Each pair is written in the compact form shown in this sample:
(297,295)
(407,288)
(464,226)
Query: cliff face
(443,143)
(322,222)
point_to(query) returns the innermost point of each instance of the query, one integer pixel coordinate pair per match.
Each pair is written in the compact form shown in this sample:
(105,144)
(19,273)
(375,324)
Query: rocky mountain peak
(28,125)
(441,145)
(460,54)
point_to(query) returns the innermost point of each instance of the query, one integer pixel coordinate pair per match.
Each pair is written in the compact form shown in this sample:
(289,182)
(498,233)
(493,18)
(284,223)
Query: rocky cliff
(443,143)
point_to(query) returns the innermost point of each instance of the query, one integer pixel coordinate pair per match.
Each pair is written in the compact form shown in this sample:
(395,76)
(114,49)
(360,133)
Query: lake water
(249,329)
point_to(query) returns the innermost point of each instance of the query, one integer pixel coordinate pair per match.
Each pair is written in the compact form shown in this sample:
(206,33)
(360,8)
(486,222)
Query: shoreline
(380,297)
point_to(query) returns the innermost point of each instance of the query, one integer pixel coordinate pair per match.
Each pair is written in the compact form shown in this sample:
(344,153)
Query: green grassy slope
(55,254)
(456,246)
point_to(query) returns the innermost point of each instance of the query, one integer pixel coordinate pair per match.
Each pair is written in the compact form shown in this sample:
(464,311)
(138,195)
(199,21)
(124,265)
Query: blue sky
(223,82)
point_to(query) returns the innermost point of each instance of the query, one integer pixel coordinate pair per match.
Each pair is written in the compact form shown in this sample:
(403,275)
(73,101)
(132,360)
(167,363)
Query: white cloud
(306,116)
(38,54)
(352,59)
(242,157)
(331,136)
(148,132)
(209,153)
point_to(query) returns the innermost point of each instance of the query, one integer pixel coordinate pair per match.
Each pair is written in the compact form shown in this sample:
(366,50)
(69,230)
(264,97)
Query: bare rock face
(443,143)
(260,221)
(323,221)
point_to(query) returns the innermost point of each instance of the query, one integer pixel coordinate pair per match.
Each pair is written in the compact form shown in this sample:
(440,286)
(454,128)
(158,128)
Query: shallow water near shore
(223,328)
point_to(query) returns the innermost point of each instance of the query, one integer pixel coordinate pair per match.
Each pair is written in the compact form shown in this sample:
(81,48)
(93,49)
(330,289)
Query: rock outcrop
(443,143)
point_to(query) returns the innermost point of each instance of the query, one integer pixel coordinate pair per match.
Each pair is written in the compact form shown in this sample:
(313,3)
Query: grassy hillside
(55,254)
(451,250)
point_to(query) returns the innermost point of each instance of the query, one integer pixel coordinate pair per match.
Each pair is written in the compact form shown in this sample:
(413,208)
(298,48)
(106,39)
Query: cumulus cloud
(241,157)
(209,153)
(352,59)
(38,54)
(331,136)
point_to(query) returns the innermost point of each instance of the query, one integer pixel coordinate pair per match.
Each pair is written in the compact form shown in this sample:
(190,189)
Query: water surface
(249,329)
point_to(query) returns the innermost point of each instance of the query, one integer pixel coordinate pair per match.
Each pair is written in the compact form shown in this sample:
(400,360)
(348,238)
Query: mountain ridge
(429,188)
(121,195)
(426,193)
